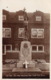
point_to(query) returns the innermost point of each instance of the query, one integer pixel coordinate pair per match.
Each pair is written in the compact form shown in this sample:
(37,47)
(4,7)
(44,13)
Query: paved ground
(41,70)
(30,74)
(9,72)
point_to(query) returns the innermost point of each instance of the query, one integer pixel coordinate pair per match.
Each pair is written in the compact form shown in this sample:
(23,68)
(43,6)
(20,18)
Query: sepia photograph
(26,39)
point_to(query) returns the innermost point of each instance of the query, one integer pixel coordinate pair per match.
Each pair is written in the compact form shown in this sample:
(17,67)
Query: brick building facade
(19,26)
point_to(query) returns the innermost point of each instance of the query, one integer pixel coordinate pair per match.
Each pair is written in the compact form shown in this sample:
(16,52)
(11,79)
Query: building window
(34,47)
(33,33)
(40,48)
(4,17)
(7,32)
(37,33)
(38,18)
(40,33)
(21,32)
(21,18)
(7,48)
(37,48)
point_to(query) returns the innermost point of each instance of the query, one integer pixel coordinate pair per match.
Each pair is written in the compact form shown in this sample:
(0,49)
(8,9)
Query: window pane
(40,48)
(21,33)
(3,32)
(8,47)
(21,18)
(6,32)
(40,33)
(4,17)
(33,33)
(38,18)
(34,48)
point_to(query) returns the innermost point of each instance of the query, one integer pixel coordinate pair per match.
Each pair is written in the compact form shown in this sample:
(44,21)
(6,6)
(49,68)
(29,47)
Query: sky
(29,5)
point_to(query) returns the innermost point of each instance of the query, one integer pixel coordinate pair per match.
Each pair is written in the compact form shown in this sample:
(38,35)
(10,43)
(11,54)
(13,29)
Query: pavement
(26,70)
(41,70)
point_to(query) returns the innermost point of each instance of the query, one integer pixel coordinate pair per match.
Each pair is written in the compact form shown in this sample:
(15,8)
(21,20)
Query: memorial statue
(25,55)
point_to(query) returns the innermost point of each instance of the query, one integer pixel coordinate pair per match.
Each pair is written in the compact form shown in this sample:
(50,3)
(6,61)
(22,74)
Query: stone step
(26,70)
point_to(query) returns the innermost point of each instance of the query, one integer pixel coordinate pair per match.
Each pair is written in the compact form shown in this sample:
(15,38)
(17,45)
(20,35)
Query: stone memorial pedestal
(25,55)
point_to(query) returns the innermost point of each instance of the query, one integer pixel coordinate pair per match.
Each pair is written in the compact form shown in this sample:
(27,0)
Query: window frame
(5,48)
(32,32)
(42,47)
(19,34)
(4,17)
(37,32)
(5,32)
(37,51)
(43,33)
(38,18)
(21,18)
(36,46)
